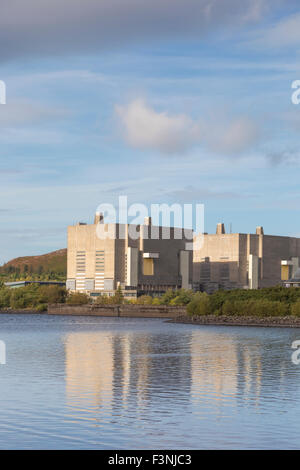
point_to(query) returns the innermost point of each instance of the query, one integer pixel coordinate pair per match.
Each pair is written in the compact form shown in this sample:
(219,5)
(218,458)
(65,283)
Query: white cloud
(233,137)
(145,128)
(148,129)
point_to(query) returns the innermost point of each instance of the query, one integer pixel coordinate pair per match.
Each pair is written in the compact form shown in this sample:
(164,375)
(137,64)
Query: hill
(49,266)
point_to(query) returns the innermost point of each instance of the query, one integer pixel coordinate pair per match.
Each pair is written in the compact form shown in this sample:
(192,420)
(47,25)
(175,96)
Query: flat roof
(19,283)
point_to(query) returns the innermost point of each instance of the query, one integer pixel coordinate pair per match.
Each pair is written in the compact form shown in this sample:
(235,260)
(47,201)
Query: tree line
(273,301)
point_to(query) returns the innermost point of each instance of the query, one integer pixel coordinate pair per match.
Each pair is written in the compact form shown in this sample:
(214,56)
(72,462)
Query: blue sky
(175,102)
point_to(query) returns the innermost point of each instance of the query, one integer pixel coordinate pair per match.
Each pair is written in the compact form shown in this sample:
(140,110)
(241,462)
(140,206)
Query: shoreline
(222,320)
(21,311)
(172,315)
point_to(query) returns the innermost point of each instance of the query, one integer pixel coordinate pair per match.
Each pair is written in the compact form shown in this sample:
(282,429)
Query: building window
(205,271)
(285,274)
(148,267)
(80,262)
(224,271)
(99,269)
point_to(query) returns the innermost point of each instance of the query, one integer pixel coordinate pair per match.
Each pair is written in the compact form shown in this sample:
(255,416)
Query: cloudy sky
(165,101)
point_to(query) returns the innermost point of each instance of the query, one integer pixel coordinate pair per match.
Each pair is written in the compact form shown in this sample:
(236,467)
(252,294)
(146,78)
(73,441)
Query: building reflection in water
(89,370)
(102,370)
(235,369)
(113,371)
(117,372)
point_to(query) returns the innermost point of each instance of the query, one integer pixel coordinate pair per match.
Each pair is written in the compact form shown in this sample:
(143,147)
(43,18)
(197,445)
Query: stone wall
(137,311)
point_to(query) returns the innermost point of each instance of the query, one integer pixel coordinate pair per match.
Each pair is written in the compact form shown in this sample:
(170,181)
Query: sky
(168,101)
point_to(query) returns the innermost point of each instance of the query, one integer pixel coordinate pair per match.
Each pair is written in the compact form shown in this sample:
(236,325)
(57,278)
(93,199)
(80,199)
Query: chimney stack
(259,230)
(220,229)
(98,218)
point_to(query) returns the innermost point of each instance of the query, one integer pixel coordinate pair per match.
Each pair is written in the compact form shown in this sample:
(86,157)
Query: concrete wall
(137,311)
(124,256)
(84,238)
(167,266)
(222,252)
(238,252)
(276,249)
(253,272)
(132,266)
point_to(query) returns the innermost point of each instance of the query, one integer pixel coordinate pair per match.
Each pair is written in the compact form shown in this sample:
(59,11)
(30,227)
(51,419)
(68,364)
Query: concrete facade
(148,259)
(142,259)
(243,260)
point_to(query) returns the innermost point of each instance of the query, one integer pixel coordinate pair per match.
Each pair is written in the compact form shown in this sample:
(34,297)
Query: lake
(118,383)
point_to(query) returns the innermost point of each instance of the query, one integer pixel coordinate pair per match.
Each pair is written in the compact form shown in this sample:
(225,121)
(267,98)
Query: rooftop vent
(99,219)
(220,229)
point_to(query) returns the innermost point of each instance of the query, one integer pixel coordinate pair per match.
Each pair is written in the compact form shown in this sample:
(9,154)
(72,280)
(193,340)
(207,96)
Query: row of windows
(81,261)
(83,253)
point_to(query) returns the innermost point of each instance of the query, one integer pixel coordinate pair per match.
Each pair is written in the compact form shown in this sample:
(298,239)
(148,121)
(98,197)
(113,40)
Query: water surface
(117,383)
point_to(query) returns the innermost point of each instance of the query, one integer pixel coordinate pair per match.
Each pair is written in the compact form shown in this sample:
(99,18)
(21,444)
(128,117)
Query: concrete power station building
(238,260)
(150,262)
(154,260)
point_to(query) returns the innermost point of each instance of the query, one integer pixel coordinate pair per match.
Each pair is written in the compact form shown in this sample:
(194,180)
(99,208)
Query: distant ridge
(55,262)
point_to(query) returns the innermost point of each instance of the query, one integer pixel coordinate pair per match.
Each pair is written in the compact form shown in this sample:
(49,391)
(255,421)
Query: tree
(52,294)
(78,298)
(200,305)
(144,300)
(118,297)
(168,296)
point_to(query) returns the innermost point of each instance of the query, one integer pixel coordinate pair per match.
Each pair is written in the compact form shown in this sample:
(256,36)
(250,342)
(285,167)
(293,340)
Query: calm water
(112,383)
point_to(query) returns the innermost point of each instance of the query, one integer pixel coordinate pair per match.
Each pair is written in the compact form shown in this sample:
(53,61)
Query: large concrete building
(150,259)
(141,259)
(237,260)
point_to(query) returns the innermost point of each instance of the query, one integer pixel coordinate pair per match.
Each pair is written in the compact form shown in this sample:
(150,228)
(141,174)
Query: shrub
(118,298)
(102,300)
(156,301)
(52,294)
(229,307)
(5,297)
(24,297)
(144,300)
(267,308)
(255,307)
(42,307)
(168,296)
(77,298)
(17,299)
(182,297)
(200,305)
(274,294)
(295,309)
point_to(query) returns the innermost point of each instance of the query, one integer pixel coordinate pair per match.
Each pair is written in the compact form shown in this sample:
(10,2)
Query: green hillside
(51,266)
